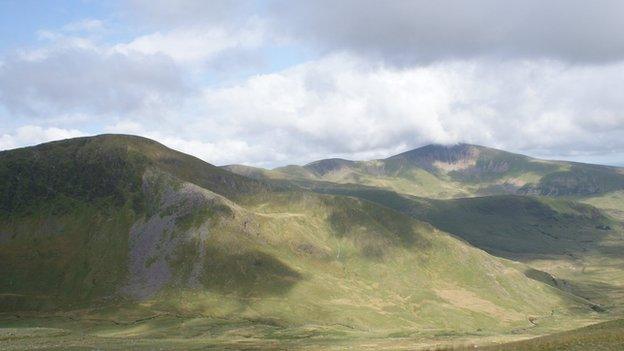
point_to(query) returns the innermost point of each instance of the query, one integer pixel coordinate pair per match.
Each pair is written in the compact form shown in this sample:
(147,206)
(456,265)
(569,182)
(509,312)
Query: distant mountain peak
(450,154)
(322,167)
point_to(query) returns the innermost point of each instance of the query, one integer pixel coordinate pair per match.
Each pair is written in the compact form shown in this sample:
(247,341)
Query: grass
(195,332)
(607,336)
(72,259)
(170,252)
(612,202)
(299,258)
(578,244)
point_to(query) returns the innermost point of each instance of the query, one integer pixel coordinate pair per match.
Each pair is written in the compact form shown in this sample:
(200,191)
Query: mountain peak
(103,166)
(322,167)
(442,153)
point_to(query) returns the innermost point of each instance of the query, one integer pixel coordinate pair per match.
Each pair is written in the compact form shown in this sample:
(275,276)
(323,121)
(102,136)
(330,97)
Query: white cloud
(220,151)
(189,12)
(74,75)
(344,106)
(31,134)
(341,105)
(197,44)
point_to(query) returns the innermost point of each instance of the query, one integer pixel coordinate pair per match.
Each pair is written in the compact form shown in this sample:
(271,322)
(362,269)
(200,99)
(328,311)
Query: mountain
(460,170)
(116,241)
(67,209)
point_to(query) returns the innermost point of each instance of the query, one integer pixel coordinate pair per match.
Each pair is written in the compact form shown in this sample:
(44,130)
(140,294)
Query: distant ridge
(457,170)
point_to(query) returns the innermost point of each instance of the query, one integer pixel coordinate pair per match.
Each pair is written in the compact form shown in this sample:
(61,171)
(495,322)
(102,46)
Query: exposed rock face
(155,240)
(462,159)
(449,154)
(323,167)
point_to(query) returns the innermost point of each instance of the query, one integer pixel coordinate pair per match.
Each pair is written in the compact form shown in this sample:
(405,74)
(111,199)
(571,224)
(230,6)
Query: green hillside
(118,242)
(67,209)
(570,245)
(607,336)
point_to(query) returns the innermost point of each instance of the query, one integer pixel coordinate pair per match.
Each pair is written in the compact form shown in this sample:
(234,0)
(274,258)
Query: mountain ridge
(453,171)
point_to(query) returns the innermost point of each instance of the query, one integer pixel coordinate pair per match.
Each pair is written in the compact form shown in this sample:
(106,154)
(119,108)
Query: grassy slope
(562,237)
(578,244)
(66,209)
(607,336)
(612,203)
(297,263)
(352,271)
(277,265)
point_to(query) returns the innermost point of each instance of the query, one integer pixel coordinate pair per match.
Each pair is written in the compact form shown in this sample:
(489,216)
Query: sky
(276,82)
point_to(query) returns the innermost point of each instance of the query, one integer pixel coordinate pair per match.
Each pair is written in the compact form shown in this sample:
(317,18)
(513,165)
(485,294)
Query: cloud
(344,106)
(220,151)
(31,134)
(422,31)
(386,79)
(190,12)
(73,75)
(196,44)
(149,75)
(406,32)
(84,25)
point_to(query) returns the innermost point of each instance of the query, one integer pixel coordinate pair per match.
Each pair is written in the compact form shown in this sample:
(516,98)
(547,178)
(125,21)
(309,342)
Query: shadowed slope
(68,209)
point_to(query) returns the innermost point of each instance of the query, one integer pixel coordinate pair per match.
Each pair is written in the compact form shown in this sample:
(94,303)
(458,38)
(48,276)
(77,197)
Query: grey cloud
(85,80)
(411,31)
(421,31)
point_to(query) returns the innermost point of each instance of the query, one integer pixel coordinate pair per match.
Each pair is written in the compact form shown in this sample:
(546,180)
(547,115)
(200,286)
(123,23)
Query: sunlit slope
(160,232)
(506,225)
(577,244)
(612,203)
(607,336)
(462,170)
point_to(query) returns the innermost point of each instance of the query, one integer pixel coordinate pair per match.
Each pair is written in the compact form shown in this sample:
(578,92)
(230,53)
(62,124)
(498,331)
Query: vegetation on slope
(106,168)
(160,232)
(330,259)
(572,246)
(67,208)
(607,336)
